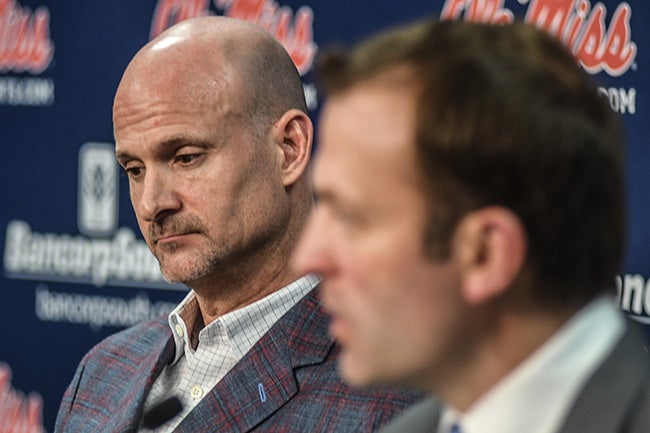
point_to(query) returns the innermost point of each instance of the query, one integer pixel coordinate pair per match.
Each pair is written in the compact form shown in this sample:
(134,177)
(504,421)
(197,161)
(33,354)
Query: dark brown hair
(506,117)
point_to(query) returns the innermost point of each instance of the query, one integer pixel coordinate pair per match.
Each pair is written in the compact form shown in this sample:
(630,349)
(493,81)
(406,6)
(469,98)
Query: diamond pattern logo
(98,190)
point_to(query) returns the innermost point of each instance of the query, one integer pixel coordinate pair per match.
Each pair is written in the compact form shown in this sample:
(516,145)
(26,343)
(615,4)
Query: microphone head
(162,412)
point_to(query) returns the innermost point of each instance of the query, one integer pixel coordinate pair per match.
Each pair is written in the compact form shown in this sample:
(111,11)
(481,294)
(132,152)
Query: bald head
(210,127)
(230,65)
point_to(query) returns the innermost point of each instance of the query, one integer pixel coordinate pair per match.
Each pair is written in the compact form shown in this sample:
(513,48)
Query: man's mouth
(171,237)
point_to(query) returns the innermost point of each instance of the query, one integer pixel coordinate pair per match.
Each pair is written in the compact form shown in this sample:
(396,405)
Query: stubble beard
(193,271)
(196,264)
(228,259)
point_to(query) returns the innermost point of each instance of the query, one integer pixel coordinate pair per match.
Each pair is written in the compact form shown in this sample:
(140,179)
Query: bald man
(210,127)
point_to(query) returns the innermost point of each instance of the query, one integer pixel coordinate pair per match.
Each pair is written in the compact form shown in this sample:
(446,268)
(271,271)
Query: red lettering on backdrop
(297,38)
(478,11)
(25,43)
(589,45)
(581,27)
(170,12)
(553,15)
(596,47)
(615,52)
(18,414)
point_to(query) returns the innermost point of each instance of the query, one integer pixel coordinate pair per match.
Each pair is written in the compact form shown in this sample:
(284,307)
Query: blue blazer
(294,363)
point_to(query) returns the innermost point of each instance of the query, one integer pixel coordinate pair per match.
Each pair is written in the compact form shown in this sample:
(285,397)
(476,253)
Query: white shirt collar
(246,325)
(537,395)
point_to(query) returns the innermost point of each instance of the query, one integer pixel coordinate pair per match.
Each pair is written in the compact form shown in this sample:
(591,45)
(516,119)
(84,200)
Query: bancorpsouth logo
(634,296)
(576,23)
(104,253)
(25,47)
(97,198)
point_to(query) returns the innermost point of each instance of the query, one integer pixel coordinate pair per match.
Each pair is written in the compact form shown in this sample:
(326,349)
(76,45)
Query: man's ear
(293,134)
(492,246)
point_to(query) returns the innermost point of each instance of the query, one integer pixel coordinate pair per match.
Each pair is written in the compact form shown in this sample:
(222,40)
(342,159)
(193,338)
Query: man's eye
(187,158)
(133,172)
(347,217)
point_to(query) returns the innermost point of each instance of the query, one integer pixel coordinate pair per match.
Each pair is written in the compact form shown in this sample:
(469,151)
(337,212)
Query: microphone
(162,412)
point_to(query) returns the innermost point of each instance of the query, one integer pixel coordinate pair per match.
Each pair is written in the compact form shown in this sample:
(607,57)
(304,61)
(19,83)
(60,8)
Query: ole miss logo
(25,44)
(578,24)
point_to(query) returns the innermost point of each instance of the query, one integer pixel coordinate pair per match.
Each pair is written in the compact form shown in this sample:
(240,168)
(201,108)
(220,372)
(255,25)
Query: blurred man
(469,226)
(210,127)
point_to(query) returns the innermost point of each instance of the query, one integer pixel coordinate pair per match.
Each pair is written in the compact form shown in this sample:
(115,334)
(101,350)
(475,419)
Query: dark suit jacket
(616,399)
(295,362)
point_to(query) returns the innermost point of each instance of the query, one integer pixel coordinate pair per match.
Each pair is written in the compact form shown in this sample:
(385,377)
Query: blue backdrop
(74,266)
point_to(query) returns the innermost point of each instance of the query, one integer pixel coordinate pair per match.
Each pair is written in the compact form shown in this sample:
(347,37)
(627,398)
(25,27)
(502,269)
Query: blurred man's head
(463,171)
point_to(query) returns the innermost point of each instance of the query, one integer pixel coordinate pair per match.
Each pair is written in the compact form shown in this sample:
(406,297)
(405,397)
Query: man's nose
(157,197)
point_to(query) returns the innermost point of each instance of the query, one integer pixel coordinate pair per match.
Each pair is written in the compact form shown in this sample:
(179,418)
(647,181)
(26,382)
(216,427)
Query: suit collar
(264,380)
(613,389)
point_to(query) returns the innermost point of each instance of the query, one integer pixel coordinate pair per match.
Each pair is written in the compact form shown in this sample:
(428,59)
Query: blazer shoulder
(138,338)
(289,382)
(113,378)
(332,403)
(639,413)
(621,385)
(639,419)
(421,418)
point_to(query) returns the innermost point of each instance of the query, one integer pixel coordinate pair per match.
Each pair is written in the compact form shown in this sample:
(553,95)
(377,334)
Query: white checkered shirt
(222,343)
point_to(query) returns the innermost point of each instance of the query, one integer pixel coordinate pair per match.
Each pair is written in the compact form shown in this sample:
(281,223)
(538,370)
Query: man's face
(205,190)
(393,308)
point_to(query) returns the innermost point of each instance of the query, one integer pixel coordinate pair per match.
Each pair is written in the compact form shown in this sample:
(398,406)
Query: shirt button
(196,392)
(179,330)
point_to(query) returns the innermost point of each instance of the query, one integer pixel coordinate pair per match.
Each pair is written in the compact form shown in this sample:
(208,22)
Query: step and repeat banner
(74,266)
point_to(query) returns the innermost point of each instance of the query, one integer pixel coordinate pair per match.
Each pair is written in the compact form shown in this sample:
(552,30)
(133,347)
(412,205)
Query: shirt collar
(537,395)
(244,326)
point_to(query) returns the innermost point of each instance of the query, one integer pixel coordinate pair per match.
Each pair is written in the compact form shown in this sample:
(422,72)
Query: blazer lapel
(264,380)
(137,387)
(602,405)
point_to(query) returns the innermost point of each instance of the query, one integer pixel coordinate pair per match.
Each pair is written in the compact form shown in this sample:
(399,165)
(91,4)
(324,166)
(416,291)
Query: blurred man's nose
(313,253)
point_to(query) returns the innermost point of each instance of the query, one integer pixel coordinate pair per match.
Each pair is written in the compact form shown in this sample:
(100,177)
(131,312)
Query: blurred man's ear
(491,244)
(293,134)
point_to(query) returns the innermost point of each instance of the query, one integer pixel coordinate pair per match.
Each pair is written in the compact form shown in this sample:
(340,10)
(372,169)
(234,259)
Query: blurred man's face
(393,308)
